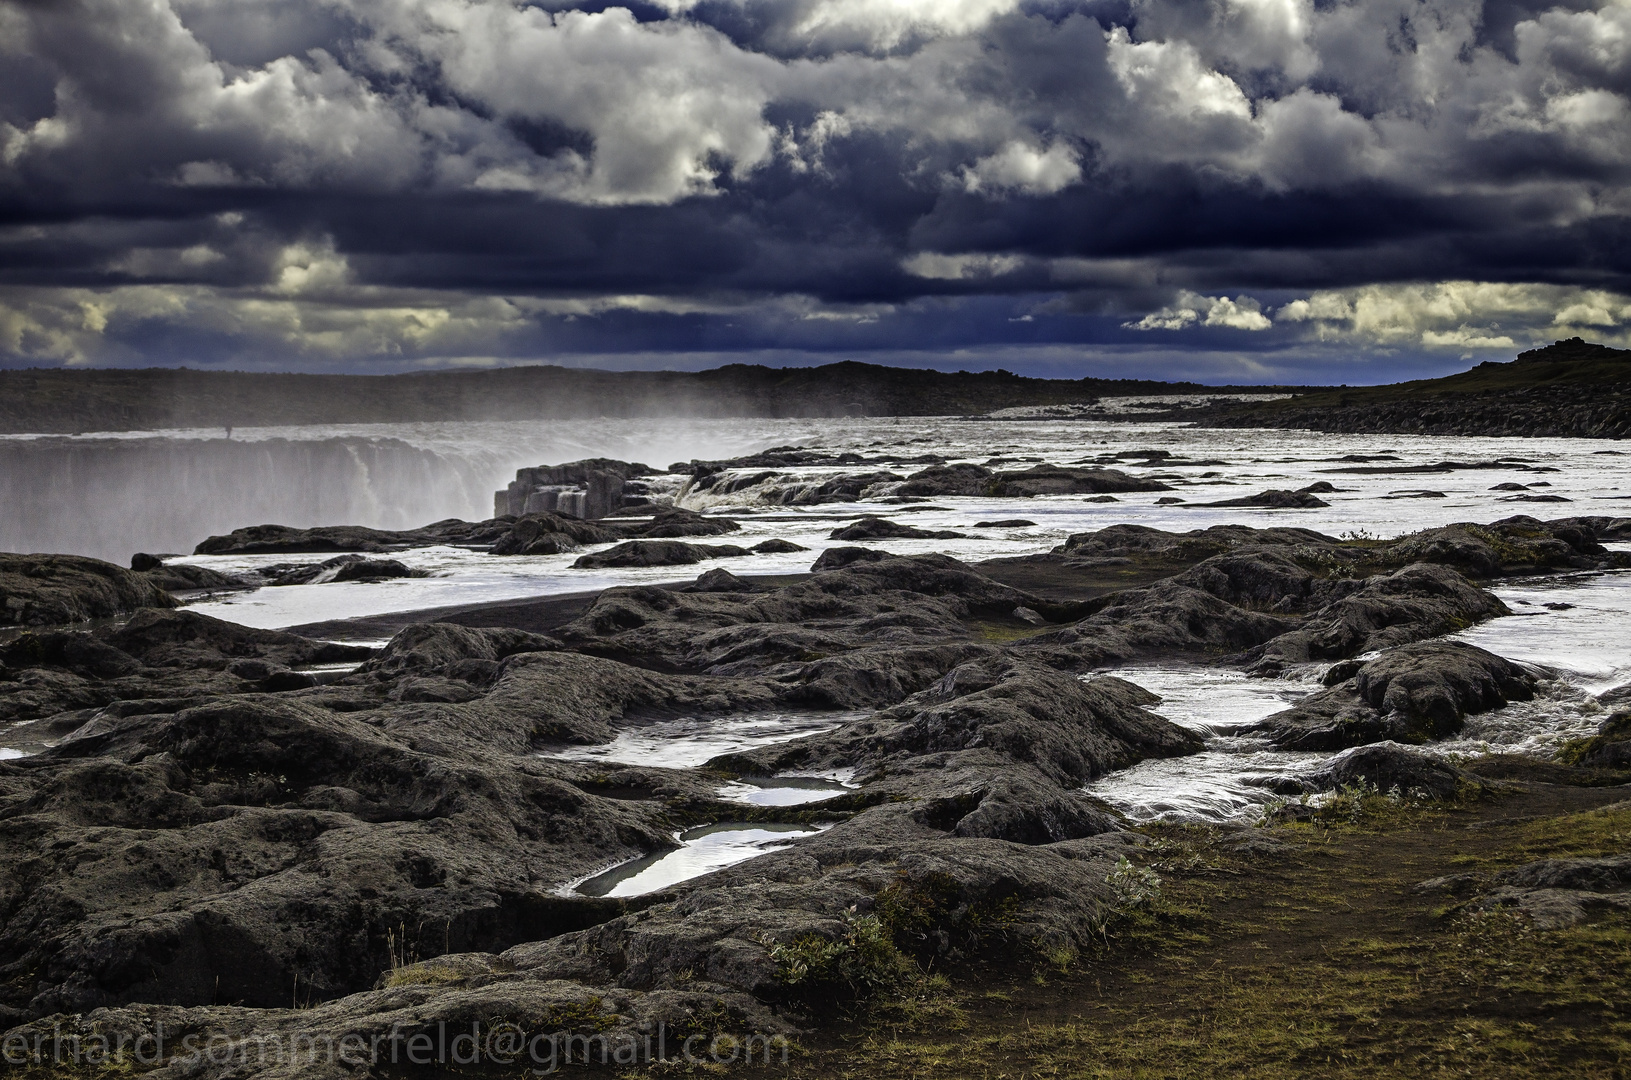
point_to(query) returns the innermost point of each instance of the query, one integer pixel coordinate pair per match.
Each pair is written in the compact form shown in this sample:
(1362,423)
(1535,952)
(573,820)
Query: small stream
(1221,781)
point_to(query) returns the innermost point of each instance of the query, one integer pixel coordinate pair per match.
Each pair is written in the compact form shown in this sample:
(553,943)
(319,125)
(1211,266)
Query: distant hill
(1572,389)
(66,401)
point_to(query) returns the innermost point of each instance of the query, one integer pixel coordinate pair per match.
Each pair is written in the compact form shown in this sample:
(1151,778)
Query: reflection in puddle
(1214,701)
(782,790)
(691,740)
(7,753)
(704,850)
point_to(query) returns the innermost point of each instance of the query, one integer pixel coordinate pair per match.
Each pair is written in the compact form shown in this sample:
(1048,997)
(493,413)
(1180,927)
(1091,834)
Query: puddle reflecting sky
(703,850)
(782,790)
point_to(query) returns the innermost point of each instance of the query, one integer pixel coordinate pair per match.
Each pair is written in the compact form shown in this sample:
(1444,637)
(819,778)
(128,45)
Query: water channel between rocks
(702,851)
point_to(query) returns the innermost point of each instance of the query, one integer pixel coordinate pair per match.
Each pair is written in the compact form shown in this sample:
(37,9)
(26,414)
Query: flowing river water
(1576,625)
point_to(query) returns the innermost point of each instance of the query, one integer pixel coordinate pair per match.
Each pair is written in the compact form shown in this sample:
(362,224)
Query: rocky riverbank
(1572,389)
(219,823)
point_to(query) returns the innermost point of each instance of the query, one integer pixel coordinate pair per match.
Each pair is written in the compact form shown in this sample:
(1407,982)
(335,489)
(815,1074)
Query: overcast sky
(1246,190)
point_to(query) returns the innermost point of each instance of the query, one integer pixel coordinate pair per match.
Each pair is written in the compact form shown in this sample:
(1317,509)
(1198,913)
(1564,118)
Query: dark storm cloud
(333,183)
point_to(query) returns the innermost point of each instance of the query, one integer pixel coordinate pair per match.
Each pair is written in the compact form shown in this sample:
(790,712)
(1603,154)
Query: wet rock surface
(1386,767)
(1276,499)
(285,539)
(656,553)
(339,568)
(1409,694)
(876,528)
(1610,747)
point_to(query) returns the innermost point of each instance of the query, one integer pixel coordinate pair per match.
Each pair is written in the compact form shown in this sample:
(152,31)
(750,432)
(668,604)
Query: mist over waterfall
(110,496)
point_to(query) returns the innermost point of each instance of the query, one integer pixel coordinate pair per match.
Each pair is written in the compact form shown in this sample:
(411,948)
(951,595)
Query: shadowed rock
(1037,480)
(876,528)
(1275,499)
(1413,693)
(41,590)
(1385,766)
(656,553)
(342,568)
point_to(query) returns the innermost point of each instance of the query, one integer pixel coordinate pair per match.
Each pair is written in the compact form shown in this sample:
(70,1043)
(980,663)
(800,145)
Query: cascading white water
(114,494)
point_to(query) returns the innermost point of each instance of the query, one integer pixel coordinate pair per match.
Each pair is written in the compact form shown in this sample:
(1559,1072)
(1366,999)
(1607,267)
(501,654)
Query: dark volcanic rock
(549,534)
(720,579)
(1384,611)
(1066,729)
(1058,480)
(41,590)
(872,600)
(341,568)
(1037,480)
(672,522)
(1609,748)
(186,578)
(285,539)
(656,553)
(234,848)
(776,547)
(1006,523)
(1387,766)
(778,489)
(948,480)
(1413,693)
(876,528)
(179,656)
(839,557)
(450,649)
(1510,546)
(186,640)
(1275,499)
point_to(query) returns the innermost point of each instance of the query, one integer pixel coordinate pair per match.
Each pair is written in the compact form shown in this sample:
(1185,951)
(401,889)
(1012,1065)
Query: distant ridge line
(59,401)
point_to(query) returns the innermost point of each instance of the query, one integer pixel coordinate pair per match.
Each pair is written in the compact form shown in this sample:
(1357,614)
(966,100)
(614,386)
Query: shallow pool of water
(782,790)
(702,851)
(1579,624)
(688,741)
(7,753)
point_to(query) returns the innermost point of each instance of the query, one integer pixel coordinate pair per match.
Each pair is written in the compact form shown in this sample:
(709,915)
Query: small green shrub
(863,958)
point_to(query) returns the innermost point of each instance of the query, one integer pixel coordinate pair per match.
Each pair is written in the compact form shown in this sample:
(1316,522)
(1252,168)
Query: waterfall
(110,496)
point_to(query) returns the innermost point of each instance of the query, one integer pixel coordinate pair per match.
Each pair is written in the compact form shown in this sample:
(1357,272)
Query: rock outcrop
(876,528)
(1414,693)
(42,590)
(656,553)
(1387,767)
(588,489)
(1037,480)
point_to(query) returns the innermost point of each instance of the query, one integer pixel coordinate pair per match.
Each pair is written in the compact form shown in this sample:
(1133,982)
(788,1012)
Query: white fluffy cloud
(963,267)
(1461,314)
(1192,309)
